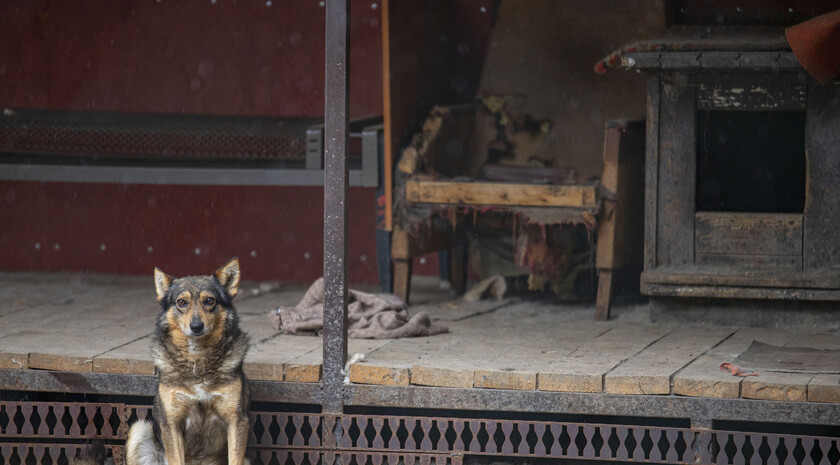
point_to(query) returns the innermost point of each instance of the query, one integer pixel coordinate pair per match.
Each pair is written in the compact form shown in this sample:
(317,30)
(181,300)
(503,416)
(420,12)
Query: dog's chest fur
(199,393)
(202,418)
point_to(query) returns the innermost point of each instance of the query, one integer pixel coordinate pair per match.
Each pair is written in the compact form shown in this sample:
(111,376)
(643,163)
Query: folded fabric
(369,316)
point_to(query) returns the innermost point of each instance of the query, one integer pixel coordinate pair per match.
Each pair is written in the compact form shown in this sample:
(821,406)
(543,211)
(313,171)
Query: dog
(203,399)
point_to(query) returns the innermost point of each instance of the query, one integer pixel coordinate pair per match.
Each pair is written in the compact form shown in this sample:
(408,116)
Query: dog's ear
(228,276)
(162,283)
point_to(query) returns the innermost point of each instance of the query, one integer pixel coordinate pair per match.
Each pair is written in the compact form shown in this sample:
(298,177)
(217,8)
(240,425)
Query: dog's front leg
(170,412)
(173,443)
(231,403)
(237,437)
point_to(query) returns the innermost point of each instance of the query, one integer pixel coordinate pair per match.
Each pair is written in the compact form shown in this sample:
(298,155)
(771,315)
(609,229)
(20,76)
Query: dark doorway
(751,161)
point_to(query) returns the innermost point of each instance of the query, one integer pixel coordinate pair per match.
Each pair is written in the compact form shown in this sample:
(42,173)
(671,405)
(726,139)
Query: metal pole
(336,132)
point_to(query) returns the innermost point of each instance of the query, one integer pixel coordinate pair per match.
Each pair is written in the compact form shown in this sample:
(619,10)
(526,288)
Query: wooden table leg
(604,299)
(402,278)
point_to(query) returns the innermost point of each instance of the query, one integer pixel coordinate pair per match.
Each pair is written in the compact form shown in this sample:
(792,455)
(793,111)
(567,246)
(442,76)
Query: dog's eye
(209,302)
(181,303)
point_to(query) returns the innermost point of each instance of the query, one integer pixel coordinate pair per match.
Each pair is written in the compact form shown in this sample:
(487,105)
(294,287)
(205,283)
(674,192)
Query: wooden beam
(724,276)
(728,292)
(821,237)
(747,233)
(387,168)
(500,193)
(676,176)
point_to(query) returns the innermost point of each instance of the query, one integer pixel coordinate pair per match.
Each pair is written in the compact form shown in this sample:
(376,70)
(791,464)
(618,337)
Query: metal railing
(52,432)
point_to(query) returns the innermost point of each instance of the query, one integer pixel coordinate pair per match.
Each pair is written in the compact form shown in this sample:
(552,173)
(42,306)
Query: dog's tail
(141,447)
(92,454)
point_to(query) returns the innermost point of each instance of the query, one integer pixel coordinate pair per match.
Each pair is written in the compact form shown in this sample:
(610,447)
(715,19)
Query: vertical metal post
(336,132)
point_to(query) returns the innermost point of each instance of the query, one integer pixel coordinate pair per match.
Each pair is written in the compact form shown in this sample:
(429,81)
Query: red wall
(254,57)
(276,232)
(223,57)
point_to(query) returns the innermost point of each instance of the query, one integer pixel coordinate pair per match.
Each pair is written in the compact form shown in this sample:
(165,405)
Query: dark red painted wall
(223,57)
(210,57)
(110,228)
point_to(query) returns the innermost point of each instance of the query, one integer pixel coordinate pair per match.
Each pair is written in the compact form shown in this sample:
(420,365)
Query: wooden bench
(617,200)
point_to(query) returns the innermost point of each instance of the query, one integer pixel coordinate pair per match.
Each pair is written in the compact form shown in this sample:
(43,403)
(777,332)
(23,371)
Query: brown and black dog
(202,403)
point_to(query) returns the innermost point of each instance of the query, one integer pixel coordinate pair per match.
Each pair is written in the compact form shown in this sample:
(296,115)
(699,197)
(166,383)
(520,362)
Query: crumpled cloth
(369,316)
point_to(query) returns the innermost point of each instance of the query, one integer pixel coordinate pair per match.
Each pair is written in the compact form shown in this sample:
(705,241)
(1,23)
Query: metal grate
(515,438)
(749,448)
(58,420)
(148,136)
(51,432)
(52,454)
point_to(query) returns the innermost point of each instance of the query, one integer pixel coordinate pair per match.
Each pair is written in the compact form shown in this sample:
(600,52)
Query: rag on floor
(369,316)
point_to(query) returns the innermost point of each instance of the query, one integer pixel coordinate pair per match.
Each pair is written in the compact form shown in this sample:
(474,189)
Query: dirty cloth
(369,316)
(765,357)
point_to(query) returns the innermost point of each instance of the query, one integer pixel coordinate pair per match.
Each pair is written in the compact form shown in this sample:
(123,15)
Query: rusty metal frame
(696,410)
(336,133)
(83,146)
(40,432)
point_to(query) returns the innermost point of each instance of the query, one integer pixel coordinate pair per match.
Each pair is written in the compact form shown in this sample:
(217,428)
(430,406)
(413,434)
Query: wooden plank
(527,337)
(721,59)
(620,229)
(132,358)
(517,379)
(651,371)
(307,368)
(51,333)
(269,359)
(499,193)
(454,364)
(747,233)
(714,60)
(606,246)
(605,294)
(822,201)
(459,375)
(750,92)
(24,290)
(499,349)
(733,292)
(583,370)
(651,170)
(620,225)
(795,387)
(253,316)
(774,262)
(380,373)
(387,118)
(517,367)
(676,180)
(717,276)
(390,365)
(703,377)
(435,236)
(824,388)
(787,387)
